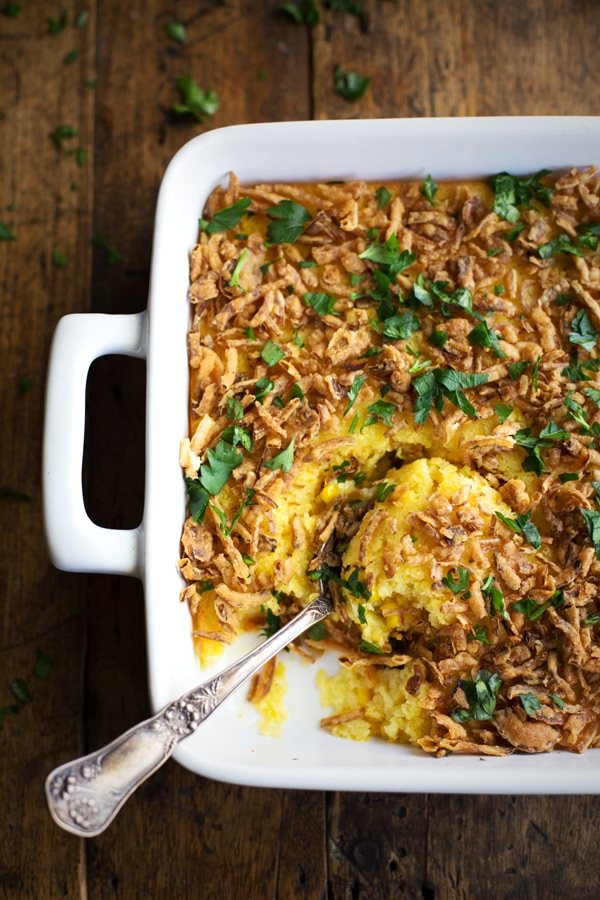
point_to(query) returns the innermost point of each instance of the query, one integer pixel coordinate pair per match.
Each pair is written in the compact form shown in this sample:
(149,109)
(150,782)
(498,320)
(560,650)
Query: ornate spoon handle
(85,795)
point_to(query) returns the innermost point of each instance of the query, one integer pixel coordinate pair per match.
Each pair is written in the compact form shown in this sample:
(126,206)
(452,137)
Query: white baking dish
(228,745)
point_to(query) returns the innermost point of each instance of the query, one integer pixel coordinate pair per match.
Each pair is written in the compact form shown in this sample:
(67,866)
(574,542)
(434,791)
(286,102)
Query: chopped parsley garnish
(321,303)
(592,394)
(494,251)
(559,702)
(514,232)
(59,259)
(479,634)
(511,192)
(583,332)
(530,703)
(367,647)
(308,264)
(303,13)
(533,462)
(383,491)
(495,596)
(460,583)
(352,584)
(499,290)
(560,244)
(317,632)
(353,392)
(532,610)
(350,85)
(71,57)
(568,476)
(228,531)
(503,411)
(176,32)
(272,624)
(272,353)
(483,336)
(592,619)
(388,254)
(21,690)
(439,338)
(381,409)
(55,26)
(113,257)
(195,101)
(283,460)
(433,386)
(203,586)
(383,197)
(235,434)
(234,409)
(43,665)
(481,693)
(5,233)
(221,463)
(592,523)
(290,220)
(576,411)
(515,370)
(399,328)
(429,189)
(523,525)
(428,293)
(227,218)
(353,423)
(535,373)
(296,392)
(263,387)
(235,275)
(362,618)
(63,133)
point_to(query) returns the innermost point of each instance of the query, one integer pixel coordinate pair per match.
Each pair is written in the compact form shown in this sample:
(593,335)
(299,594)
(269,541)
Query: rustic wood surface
(182,836)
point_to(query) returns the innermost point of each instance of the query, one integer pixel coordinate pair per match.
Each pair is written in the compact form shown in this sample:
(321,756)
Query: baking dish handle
(75,543)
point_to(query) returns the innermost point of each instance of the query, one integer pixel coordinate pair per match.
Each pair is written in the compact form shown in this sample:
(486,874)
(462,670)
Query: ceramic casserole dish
(228,746)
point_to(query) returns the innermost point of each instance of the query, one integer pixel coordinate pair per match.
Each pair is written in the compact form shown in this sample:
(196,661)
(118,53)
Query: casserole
(229,746)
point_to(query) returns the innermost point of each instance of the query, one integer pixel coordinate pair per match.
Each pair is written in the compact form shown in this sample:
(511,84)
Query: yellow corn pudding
(394,389)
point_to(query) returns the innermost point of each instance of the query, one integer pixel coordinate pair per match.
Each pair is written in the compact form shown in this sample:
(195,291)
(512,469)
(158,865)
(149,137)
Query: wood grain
(183,836)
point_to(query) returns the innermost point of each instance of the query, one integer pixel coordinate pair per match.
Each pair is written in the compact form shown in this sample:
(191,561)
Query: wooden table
(113,80)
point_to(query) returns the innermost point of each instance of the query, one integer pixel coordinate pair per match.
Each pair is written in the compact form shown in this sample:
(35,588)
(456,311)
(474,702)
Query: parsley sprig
(481,693)
(290,221)
(433,386)
(523,525)
(512,191)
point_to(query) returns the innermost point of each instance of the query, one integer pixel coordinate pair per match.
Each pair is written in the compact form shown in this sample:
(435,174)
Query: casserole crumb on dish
(395,387)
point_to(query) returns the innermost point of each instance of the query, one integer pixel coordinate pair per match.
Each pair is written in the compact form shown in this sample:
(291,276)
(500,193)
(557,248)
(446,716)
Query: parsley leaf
(317,632)
(479,634)
(221,463)
(383,491)
(367,647)
(481,693)
(429,189)
(560,244)
(5,233)
(234,409)
(532,610)
(503,411)
(283,460)
(235,434)
(354,391)
(460,583)
(195,101)
(515,370)
(321,303)
(533,462)
(400,328)
(583,334)
(290,218)
(436,384)
(272,624)
(235,275)
(383,197)
(495,596)
(511,191)
(303,13)
(63,133)
(59,259)
(523,525)
(264,386)
(350,85)
(176,32)
(592,523)
(483,336)
(227,218)
(272,353)
(530,703)
(381,409)
(362,618)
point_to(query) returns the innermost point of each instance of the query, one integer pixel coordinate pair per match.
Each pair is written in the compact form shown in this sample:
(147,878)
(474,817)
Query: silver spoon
(85,795)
